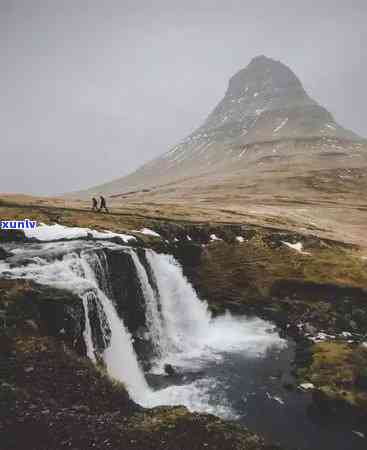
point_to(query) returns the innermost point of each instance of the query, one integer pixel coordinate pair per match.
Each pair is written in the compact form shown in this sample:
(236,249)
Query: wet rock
(4,254)
(310,329)
(170,371)
(188,253)
(126,289)
(31,325)
(44,310)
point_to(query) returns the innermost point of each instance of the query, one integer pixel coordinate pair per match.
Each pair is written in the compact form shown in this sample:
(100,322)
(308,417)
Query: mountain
(265,117)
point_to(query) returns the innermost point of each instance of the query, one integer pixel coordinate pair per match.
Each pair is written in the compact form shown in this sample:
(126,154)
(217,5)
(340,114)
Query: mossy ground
(53,399)
(339,371)
(325,288)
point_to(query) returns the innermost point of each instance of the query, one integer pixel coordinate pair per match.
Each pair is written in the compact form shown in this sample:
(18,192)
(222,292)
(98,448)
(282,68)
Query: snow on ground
(213,237)
(147,232)
(321,336)
(359,434)
(307,386)
(240,239)
(276,398)
(346,334)
(280,126)
(298,247)
(57,232)
(331,126)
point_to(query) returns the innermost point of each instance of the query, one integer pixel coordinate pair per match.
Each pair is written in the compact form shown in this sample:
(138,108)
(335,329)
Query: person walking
(103,204)
(95,204)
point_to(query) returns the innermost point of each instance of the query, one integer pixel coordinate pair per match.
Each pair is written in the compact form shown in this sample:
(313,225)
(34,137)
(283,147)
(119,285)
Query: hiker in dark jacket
(103,204)
(95,204)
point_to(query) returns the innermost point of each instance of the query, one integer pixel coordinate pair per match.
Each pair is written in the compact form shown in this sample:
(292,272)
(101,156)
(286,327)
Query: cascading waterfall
(189,334)
(186,318)
(154,319)
(179,324)
(79,273)
(119,356)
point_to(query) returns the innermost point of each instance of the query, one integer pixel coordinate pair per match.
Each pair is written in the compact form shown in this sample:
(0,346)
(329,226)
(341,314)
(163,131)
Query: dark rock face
(313,291)
(52,311)
(126,292)
(101,332)
(59,401)
(126,289)
(4,254)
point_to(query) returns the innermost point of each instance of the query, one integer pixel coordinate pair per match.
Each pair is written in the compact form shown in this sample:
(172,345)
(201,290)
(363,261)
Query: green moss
(335,370)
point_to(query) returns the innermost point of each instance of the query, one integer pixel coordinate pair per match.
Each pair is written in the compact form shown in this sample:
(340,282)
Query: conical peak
(263,75)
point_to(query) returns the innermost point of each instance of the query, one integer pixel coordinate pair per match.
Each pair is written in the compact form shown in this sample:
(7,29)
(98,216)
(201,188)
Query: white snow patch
(188,238)
(148,232)
(331,126)
(276,398)
(307,386)
(320,337)
(240,239)
(298,247)
(359,434)
(346,334)
(57,232)
(278,128)
(213,237)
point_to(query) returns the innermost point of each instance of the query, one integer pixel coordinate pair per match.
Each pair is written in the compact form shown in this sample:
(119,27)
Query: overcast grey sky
(91,89)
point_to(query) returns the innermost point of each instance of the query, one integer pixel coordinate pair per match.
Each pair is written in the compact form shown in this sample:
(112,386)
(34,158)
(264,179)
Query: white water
(77,273)
(180,326)
(190,339)
(154,318)
(120,357)
(190,335)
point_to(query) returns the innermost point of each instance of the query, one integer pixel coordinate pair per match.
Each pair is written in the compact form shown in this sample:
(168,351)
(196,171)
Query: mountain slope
(265,113)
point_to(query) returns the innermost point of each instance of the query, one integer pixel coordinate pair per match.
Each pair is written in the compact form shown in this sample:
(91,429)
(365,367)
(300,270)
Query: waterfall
(85,274)
(189,334)
(154,319)
(180,326)
(119,356)
(186,318)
